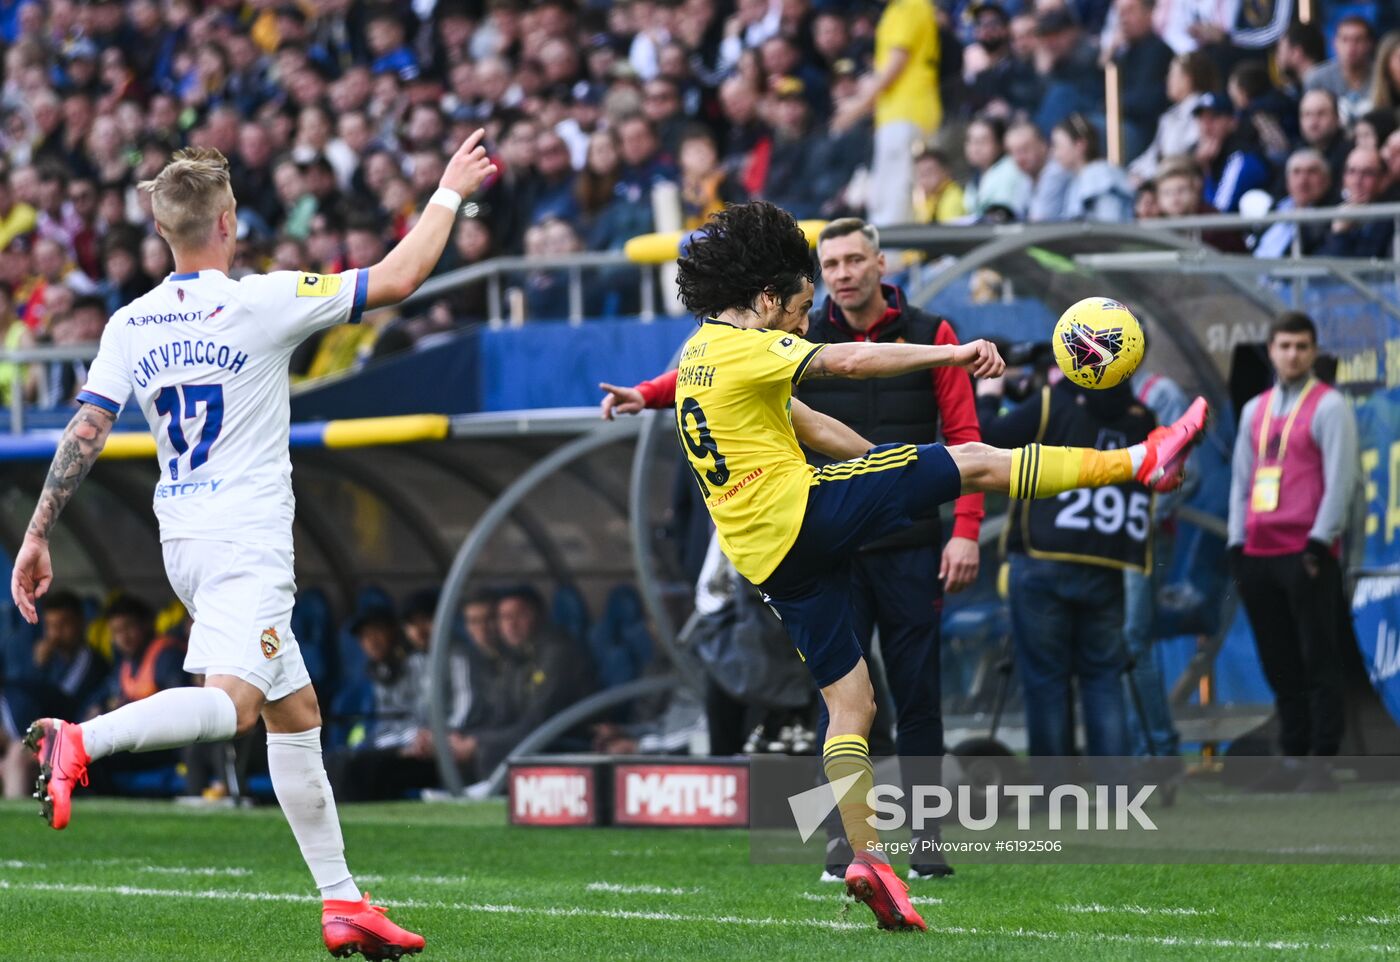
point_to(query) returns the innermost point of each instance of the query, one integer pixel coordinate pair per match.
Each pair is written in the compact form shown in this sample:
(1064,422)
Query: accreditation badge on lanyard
(1268,471)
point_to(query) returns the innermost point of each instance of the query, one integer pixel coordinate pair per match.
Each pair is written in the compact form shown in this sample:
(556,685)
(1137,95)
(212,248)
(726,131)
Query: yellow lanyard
(1287,425)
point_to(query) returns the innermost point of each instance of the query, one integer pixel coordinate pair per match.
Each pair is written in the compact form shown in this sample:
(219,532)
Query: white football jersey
(206,358)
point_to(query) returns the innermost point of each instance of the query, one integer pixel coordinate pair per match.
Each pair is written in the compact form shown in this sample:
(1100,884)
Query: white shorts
(240,597)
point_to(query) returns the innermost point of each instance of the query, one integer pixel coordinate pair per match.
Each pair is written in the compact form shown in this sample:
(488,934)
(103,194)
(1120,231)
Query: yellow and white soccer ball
(1098,343)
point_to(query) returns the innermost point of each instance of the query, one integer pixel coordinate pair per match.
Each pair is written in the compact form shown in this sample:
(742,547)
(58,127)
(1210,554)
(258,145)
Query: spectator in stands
(1263,106)
(1372,128)
(995,179)
(1390,153)
(706,187)
(16,217)
(1068,68)
(1179,195)
(1050,181)
(547,290)
(1143,61)
(1309,181)
(533,673)
(641,169)
(661,104)
(1320,126)
(802,173)
(1348,75)
(59,676)
(121,268)
(466,303)
(999,82)
(396,754)
(1361,184)
(1228,153)
(596,185)
(1145,205)
(13,336)
(555,195)
(1190,76)
(79,321)
(1301,50)
(1385,79)
(1098,191)
(1294,470)
(937,197)
(904,95)
(144,663)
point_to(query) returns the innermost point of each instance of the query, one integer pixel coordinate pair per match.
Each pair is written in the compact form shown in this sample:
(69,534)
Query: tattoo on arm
(79,447)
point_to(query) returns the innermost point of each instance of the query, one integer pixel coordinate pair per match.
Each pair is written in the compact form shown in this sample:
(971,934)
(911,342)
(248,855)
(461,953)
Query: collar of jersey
(194,275)
(715,320)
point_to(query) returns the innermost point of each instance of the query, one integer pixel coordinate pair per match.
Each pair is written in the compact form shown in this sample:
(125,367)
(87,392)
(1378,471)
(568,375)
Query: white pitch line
(1094,908)
(833,895)
(550,911)
(1018,933)
(1371,919)
(417,879)
(637,889)
(210,871)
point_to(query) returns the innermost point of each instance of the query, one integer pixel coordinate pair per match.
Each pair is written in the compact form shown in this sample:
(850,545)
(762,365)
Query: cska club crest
(271,644)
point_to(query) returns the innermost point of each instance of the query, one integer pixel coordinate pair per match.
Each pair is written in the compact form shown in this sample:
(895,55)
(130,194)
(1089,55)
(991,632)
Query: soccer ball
(1098,343)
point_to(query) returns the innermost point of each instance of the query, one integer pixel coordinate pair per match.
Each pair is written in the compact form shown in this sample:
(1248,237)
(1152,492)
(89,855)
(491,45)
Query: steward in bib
(1292,476)
(1067,555)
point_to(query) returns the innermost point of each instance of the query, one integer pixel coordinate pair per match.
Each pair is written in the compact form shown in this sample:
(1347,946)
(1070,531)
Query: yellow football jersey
(734,414)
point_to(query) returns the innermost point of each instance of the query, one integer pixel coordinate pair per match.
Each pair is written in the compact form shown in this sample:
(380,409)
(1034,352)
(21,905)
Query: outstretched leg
(1043,471)
(168,719)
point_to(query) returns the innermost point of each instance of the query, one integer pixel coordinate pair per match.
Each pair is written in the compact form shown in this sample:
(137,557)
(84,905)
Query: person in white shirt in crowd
(1098,190)
(1190,76)
(996,181)
(1050,181)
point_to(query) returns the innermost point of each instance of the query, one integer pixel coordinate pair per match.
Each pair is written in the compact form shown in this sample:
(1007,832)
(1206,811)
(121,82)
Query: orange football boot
(1168,446)
(875,883)
(63,763)
(350,927)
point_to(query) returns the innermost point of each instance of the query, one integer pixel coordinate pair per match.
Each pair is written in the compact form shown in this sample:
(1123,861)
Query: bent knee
(248,716)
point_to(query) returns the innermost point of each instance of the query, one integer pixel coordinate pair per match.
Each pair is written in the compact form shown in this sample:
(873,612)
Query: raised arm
(407,266)
(863,359)
(79,447)
(826,435)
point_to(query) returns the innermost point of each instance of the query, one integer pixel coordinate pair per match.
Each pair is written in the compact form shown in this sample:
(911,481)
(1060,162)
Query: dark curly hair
(739,253)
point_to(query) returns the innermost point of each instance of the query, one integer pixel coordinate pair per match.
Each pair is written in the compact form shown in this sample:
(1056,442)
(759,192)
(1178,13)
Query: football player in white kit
(206,358)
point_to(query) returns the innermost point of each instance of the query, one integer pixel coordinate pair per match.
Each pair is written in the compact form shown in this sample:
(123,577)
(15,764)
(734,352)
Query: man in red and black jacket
(899,580)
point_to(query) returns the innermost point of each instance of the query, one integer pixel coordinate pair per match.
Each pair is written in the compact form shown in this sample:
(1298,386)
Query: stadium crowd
(607,120)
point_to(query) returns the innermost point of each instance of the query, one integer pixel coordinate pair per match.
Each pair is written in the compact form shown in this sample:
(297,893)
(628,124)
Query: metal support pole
(575,296)
(648,294)
(449,601)
(493,299)
(1113,115)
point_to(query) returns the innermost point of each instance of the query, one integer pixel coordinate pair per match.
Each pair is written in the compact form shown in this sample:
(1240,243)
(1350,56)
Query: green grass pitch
(130,880)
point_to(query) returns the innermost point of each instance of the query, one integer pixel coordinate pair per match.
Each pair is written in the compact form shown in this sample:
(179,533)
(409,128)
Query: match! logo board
(553,795)
(688,795)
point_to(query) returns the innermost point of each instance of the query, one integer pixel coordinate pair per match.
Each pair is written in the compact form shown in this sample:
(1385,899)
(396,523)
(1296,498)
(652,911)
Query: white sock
(168,719)
(304,792)
(1138,452)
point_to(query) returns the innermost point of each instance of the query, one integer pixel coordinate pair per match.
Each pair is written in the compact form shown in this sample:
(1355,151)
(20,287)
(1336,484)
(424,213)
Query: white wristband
(446,197)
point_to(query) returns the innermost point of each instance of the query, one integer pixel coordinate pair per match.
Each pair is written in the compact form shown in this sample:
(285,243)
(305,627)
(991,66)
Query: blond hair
(189,194)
